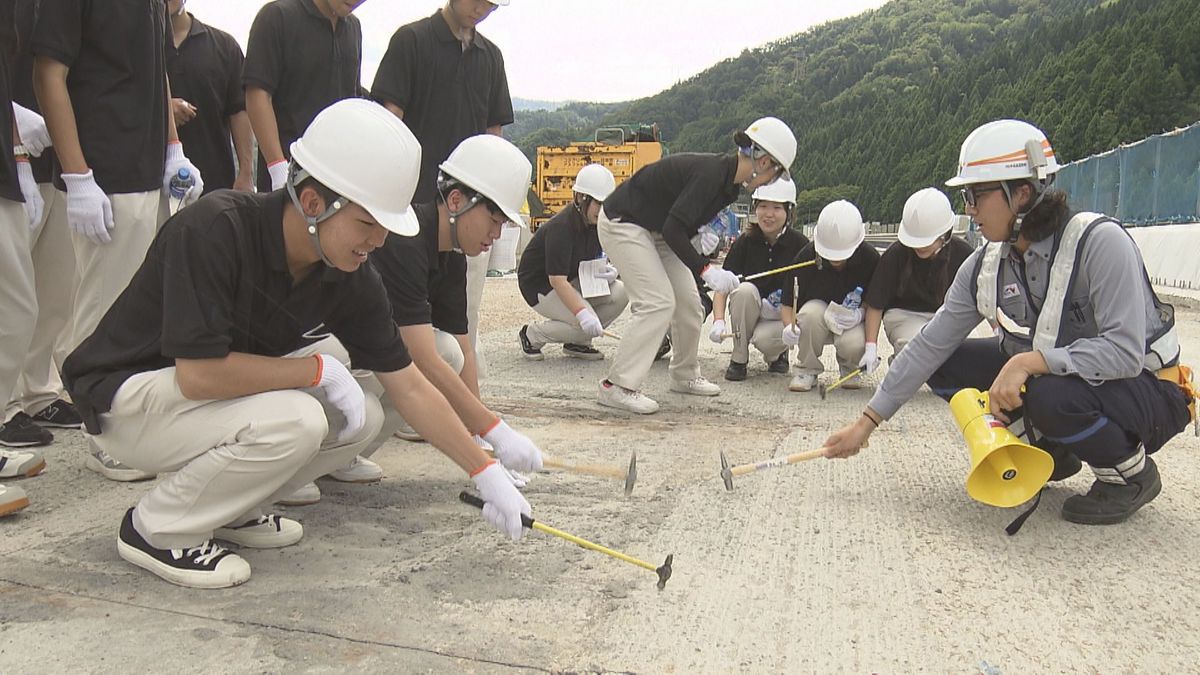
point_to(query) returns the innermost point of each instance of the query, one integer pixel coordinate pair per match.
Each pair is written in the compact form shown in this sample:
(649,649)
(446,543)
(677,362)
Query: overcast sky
(595,50)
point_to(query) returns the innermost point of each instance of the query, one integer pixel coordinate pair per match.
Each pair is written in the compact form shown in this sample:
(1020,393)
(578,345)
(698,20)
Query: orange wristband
(483,468)
(320,370)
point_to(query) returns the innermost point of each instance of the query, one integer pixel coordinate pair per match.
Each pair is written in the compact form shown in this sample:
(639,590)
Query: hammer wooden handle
(778,461)
(590,469)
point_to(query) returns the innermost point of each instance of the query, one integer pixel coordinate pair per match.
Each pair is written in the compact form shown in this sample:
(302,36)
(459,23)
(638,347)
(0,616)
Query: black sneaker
(779,365)
(736,372)
(59,415)
(585,352)
(664,348)
(22,432)
(204,566)
(1111,503)
(532,353)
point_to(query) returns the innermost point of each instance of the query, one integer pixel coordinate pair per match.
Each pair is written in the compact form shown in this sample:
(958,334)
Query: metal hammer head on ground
(631,478)
(726,473)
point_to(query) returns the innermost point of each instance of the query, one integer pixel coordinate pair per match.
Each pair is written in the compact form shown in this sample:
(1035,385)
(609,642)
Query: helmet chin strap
(453,215)
(297,175)
(755,153)
(1020,215)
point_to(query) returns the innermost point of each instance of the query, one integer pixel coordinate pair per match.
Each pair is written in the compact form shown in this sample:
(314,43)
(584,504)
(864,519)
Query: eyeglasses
(971,194)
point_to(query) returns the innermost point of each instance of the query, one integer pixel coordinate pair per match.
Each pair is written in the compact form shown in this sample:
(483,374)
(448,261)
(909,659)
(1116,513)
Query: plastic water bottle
(181,182)
(853,298)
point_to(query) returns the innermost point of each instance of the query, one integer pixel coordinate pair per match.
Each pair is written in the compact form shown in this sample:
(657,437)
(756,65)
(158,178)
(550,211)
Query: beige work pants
(18,298)
(477,268)
(562,326)
(744,318)
(814,335)
(902,325)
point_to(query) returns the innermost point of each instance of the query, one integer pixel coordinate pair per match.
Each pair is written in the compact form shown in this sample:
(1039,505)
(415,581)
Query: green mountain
(880,102)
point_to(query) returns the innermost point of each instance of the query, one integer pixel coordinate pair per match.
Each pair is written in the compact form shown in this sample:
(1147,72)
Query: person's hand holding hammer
(847,441)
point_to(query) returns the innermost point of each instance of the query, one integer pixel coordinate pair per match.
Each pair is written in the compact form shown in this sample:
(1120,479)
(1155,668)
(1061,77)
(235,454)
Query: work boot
(780,365)
(736,372)
(1117,493)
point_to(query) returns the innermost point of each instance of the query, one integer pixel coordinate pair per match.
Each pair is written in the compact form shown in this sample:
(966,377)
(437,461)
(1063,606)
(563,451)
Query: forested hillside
(880,102)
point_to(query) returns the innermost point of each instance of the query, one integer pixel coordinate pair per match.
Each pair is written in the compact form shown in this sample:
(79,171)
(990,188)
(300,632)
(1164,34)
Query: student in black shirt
(481,186)
(647,227)
(844,262)
(205,67)
(754,305)
(302,55)
(214,362)
(549,274)
(914,273)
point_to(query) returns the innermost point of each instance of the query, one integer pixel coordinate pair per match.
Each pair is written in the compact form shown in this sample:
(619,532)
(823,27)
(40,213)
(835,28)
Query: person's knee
(1054,407)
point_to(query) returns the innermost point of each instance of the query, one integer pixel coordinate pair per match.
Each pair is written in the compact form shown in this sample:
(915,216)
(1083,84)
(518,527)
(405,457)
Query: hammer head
(664,572)
(726,474)
(631,474)
(822,389)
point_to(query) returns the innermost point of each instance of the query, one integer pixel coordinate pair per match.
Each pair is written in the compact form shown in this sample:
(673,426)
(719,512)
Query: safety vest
(1049,331)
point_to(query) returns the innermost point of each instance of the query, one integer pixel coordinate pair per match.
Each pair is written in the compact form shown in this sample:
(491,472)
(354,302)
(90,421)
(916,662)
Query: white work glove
(717,334)
(342,392)
(519,480)
(31,127)
(503,503)
(176,161)
(513,449)
(706,240)
(609,273)
(279,174)
(34,204)
(790,335)
(589,322)
(89,211)
(870,360)
(720,280)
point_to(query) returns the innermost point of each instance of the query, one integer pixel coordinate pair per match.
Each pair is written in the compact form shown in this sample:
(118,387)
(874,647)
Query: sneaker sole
(342,478)
(118,475)
(583,357)
(25,444)
(30,472)
(689,392)
(533,357)
(178,577)
(14,506)
(297,502)
(246,540)
(617,406)
(57,425)
(412,437)
(800,389)
(1096,519)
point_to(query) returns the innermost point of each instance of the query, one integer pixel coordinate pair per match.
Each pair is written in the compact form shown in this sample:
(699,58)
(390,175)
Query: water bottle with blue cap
(181,182)
(853,298)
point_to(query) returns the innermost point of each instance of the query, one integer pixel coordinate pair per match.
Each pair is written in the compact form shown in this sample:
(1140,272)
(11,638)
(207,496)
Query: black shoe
(204,566)
(1110,503)
(585,352)
(59,415)
(532,353)
(1066,464)
(664,348)
(22,432)
(736,372)
(779,365)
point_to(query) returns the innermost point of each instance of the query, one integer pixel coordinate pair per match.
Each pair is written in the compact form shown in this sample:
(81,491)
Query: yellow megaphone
(1004,471)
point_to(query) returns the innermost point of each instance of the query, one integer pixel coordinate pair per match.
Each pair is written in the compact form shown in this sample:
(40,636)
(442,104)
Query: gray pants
(744,317)
(561,325)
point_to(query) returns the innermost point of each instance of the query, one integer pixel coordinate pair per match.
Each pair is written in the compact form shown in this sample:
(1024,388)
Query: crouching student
(207,364)
(913,274)
(753,312)
(824,295)
(549,274)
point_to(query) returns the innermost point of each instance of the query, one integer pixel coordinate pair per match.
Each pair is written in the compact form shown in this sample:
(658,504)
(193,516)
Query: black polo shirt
(424,285)
(10,187)
(117,82)
(216,281)
(752,253)
(447,93)
(925,287)
(295,55)
(822,282)
(22,82)
(676,196)
(206,71)
(556,249)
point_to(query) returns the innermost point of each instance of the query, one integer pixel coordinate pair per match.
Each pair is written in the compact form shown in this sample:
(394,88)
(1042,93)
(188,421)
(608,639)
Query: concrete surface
(877,564)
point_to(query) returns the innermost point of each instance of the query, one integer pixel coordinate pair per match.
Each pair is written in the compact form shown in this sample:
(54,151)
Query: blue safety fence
(1152,182)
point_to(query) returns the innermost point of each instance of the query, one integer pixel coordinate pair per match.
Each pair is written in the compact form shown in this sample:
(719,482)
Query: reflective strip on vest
(986,292)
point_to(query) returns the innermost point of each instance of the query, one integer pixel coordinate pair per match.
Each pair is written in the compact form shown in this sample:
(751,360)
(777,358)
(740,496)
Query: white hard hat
(839,231)
(927,216)
(595,181)
(1004,150)
(494,168)
(773,136)
(363,152)
(782,191)
(502,3)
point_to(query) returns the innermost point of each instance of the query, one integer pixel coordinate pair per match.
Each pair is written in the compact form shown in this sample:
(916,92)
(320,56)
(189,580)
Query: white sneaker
(407,433)
(803,382)
(697,386)
(21,463)
(12,499)
(615,396)
(361,470)
(268,531)
(102,463)
(306,494)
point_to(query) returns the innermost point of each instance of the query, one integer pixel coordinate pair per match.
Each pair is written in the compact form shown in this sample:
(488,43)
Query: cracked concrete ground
(877,564)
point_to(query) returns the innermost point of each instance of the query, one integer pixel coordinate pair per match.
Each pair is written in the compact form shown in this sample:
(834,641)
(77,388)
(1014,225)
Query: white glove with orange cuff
(720,280)
(503,503)
(791,335)
(589,322)
(342,392)
(520,480)
(279,173)
(513,449)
